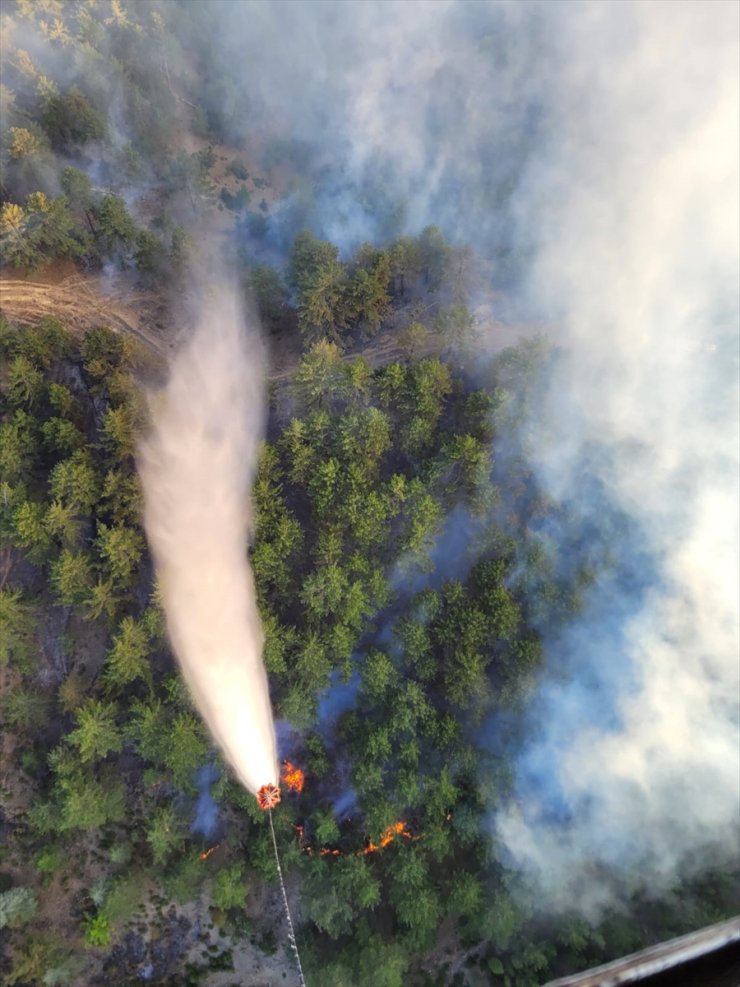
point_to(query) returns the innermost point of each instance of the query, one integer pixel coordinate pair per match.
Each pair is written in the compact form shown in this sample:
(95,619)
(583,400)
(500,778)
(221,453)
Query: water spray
(196,467)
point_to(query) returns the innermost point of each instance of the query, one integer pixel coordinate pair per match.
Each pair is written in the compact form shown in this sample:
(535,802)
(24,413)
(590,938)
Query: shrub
(96,930)
(17,906)
(48,861)
(235,202)
(239,169)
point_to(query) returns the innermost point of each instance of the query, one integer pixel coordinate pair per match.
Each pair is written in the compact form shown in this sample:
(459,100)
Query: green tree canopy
(36,233)
(317,275)
(77,187)
(72,577)
(116,228)
(121,548)
(165,832)
(17,907)
(70,120)
(128,659)
(97,733)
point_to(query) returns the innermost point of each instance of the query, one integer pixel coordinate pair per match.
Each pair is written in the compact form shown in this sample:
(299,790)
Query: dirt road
(81,302)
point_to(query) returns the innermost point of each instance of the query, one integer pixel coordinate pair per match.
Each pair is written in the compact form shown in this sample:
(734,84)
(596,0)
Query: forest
(400,551)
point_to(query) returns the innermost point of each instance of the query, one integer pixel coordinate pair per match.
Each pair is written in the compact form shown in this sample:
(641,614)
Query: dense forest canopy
(419,574)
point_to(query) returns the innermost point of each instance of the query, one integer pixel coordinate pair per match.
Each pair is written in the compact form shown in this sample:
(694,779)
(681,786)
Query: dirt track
(82,302)
(79,304)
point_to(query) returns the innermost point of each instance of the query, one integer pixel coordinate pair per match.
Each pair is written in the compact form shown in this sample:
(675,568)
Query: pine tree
(97,733)
(121,548)
(17,907)
(71,577)
(164,833)
(128,659)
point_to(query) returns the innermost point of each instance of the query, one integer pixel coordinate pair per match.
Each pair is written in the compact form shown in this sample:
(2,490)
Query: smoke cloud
(590,151)
(636,210)
(206,808)
(196,468)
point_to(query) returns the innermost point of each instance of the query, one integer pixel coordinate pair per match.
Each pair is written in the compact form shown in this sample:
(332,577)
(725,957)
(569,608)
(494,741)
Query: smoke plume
(590,150)
(635,727)
(206,808)
(196,467)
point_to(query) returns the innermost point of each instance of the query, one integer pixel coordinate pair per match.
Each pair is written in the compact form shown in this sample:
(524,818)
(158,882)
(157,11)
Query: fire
(303,843)
(292,777)
(388,836)
(207,853)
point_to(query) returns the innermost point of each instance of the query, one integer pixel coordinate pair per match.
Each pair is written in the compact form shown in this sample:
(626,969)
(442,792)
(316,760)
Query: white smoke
(637,209)
(196,468)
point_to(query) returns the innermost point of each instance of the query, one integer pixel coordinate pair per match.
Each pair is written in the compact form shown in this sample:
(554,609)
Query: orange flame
(292,777)
(388,836)
(207,853)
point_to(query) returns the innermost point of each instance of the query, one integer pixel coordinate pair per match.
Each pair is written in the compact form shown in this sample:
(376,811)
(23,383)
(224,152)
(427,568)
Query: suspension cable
(291,931)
